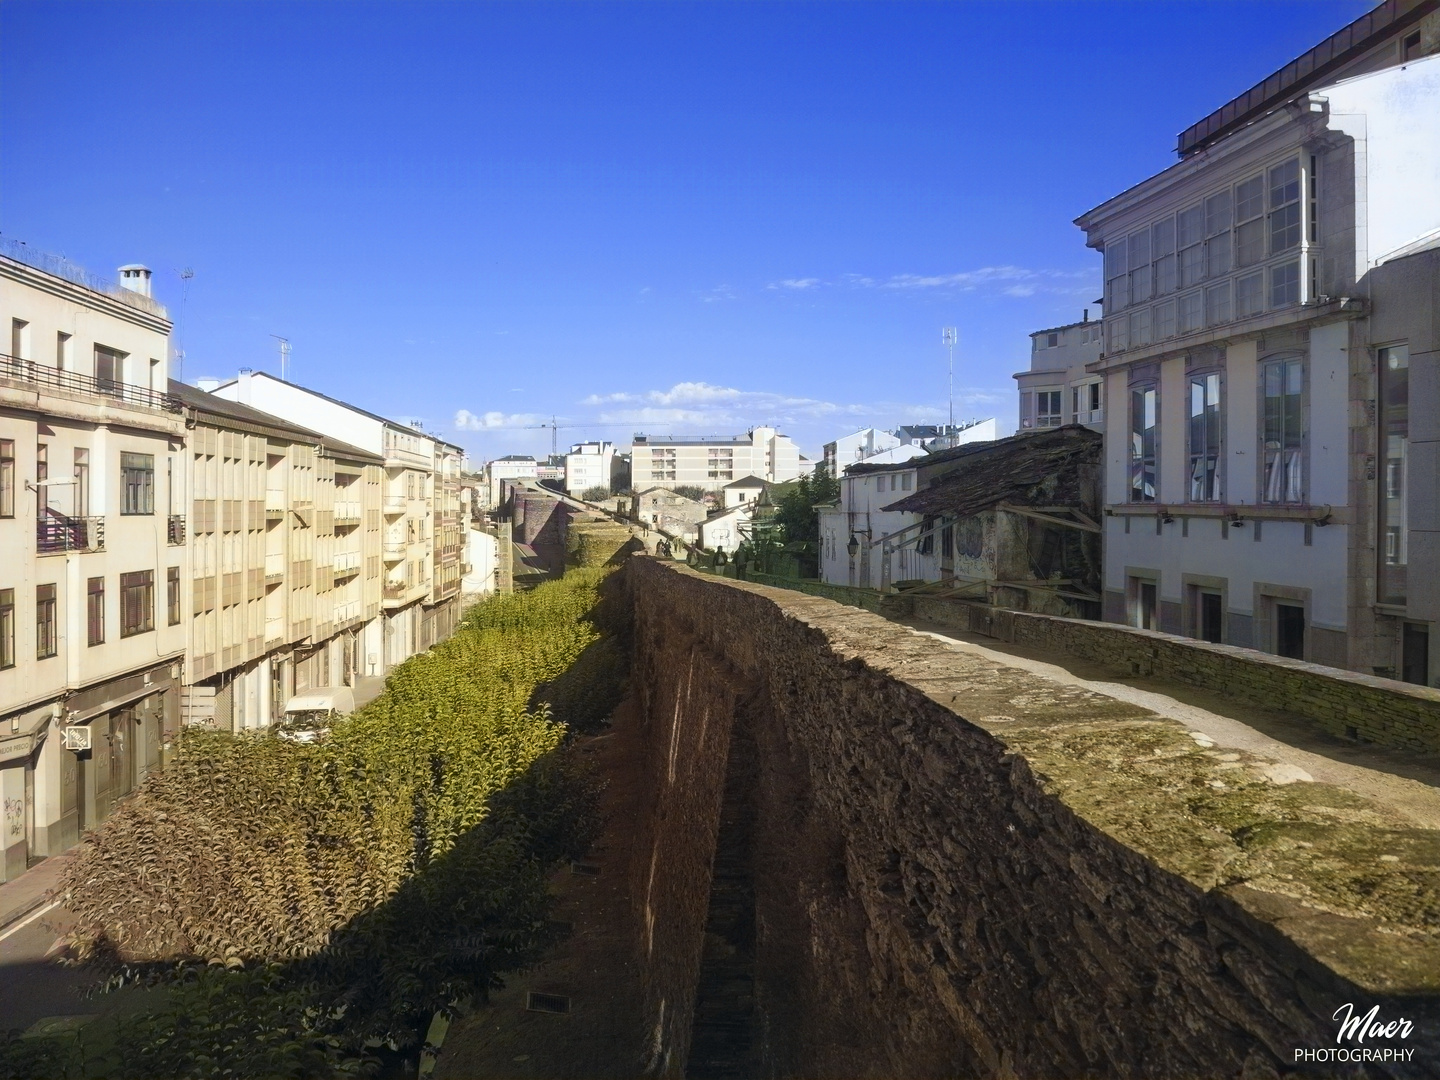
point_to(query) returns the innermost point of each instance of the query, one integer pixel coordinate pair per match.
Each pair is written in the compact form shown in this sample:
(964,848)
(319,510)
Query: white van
(308,716)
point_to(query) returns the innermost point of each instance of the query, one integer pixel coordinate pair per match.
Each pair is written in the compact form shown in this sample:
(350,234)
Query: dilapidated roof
(1043,468)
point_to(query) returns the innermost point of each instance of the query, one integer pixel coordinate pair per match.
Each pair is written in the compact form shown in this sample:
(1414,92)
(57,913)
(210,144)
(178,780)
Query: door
(1146,613)
(109,371)
(1210,617)
(1290,631)
(1415,654)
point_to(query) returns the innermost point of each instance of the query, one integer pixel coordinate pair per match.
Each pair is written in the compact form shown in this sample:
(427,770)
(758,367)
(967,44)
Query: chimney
(243,389)
(208,383)
(136,278)
(1087,315)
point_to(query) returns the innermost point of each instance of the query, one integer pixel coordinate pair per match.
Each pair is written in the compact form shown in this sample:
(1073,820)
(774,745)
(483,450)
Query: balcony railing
(396,504)
(398,592)
(55,533)
(346,561)
(175,530)
(27,371)
(347,514)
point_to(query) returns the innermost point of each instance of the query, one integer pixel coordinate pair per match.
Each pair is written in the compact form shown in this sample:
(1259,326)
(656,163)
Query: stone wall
(1344,703)
(928,864)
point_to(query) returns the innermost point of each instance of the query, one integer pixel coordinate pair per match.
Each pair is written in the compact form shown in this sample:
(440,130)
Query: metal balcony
(27,371)
(56,533)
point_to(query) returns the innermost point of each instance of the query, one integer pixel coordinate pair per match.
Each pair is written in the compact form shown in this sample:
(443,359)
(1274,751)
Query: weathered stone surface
(958,868)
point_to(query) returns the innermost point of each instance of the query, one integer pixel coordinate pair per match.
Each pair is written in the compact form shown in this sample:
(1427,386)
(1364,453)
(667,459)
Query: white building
(856,447)
(709,462)
(747,489)
(590,465)
(1243,358)
(510,467)
(721,531)
(1059,388)
(858,516)
(94,586)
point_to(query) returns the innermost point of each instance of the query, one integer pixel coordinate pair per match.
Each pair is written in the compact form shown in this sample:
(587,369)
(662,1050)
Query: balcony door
(109,371)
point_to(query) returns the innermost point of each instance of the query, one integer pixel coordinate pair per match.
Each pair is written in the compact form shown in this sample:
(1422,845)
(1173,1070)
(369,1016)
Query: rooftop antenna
(185,276)
(948,336)
(284,356)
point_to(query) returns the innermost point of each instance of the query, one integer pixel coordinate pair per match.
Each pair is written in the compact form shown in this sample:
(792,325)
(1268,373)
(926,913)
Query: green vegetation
(596,493)
(301,905)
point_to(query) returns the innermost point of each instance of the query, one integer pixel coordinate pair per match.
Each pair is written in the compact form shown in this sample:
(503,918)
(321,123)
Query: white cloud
(465,420)
(1016,281)
(719,293)
(798,284)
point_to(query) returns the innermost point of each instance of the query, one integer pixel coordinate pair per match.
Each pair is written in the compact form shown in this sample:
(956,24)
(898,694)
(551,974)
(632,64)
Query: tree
(796,513)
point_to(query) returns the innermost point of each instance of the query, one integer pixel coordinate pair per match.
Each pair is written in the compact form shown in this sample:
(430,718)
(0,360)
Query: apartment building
(592,465)
(509,467)
(1060,388)
(1258,359)
(409,593)
(285,557)
(93,587)
(710,462)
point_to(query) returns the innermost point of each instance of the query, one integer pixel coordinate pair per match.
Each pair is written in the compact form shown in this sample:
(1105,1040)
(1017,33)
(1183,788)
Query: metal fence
(28,371)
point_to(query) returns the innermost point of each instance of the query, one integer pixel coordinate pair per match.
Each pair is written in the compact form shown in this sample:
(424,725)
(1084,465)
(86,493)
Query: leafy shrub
(356,885)
(596,493)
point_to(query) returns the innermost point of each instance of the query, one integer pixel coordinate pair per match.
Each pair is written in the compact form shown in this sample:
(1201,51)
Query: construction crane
(555,430)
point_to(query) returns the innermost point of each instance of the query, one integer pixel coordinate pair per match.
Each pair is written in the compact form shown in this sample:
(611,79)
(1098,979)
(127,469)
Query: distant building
(509,467)
(721,531)
(551,469)
(1058,389)
(745,490)
(591,465)
(856,447)
(664,509)
(712,462)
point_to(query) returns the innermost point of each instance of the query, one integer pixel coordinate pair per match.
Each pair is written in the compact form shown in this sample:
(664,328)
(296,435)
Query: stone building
(94,586)
(1253,497)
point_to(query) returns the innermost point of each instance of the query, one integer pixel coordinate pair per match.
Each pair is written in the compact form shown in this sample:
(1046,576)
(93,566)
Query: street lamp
(853,547)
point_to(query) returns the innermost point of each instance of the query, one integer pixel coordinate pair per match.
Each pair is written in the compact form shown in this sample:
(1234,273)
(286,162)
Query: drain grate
(588,869)
(547,1003)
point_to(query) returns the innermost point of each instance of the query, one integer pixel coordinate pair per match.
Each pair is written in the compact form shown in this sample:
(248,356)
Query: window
(1119,333)
(109,370)
(906,480)
(1217,235)
(1190,313)
(1047,409)
(1140,327)
(1285,207)
(1250,221)
(1144,425)
(1138,261)
(1282,383)
(1144,604)
(1205,437)
(95,610)
(1164,326)
(137,603)
(1217,304)
(7,628)
(1410,47)
(1285,284)
(1191,227)
(1394,364)
(172,595)
(46,629)
(137,483)
(1052,340)
(62,351)
(1162,245)
(19,339)
(1250,295)
(1117,282)
(7,478)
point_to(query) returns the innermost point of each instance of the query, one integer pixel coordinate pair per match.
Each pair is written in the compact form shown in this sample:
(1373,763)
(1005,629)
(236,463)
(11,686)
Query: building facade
(1255,359)
(285,538)
(93,592)
(1059,388)
(511,467)
(592,465)
(711,463)
(409,595)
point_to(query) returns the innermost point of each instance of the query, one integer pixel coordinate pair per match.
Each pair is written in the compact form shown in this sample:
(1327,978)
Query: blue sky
(657,217)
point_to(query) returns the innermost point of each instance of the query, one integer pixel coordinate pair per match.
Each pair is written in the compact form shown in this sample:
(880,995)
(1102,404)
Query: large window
(1250,221)
(137,603)
(1047,408)
(1394,522)
(7,628)
(1285,284)
(7,478)
(1285,207)
(1205,438)
(47,636)
(137,483)
(1250,294)
(95,610)
(1217,234)
(110,370)
(1144,432)
(1284,431)
(1163,252)
(1190,229)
